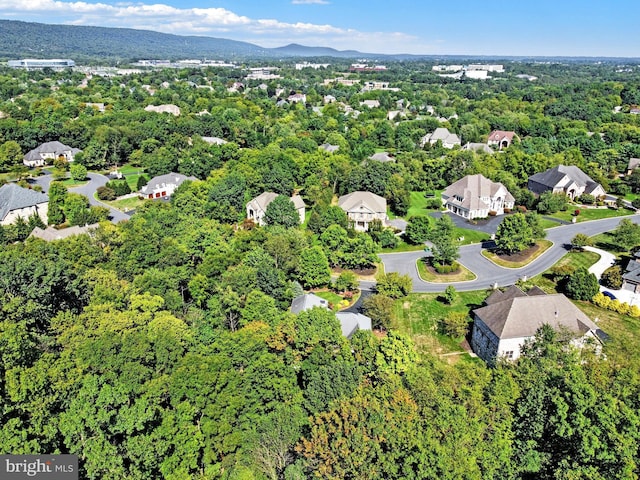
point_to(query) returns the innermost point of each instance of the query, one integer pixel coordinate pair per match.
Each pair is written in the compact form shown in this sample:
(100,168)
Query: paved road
(487,272)
(88,189)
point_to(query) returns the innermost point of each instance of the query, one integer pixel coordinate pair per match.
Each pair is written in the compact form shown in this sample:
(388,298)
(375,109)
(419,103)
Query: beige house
(567,179)
(501,139)
(475,196)
(510,318)
(49,152)
(257,207)
(16,201)
(362,208)
(167,108)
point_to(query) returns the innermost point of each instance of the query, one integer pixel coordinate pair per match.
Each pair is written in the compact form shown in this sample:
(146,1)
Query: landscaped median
(428,274)
(519,259)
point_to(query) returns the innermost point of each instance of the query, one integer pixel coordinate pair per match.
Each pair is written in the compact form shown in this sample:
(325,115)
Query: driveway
(488,274)
(488,225)
(88,189)
(606,260)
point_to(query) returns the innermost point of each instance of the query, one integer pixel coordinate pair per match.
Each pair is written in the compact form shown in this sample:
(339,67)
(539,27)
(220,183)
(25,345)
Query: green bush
(106,193)
(442,268)
(120,187)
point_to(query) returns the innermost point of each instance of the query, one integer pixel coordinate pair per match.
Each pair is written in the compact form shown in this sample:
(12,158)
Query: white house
(474,196)
(167,108)
(163,186)
(48,152)
(448,139)
(16,201)
(362,208)
(257,207)
(510,318)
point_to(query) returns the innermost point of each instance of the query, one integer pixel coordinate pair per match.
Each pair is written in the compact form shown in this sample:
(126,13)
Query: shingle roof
(307,302)
(54,147)
(472,189)
(14,197)
(371,201)
(381,157)
(351,322)
(50,233)
(508,294)
(521,317)
(551,178)
(499,135)
(265,198)
(633,163)
(163,180)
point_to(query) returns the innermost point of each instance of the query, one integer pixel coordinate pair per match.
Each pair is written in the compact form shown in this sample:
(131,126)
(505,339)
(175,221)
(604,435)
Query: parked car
(609,294)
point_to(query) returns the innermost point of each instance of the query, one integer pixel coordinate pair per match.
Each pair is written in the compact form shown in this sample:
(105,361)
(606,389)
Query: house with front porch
(475,196)
(362,208)
(567,179)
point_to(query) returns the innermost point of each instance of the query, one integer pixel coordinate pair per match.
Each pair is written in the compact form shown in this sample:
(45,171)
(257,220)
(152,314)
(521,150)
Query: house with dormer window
(475,196)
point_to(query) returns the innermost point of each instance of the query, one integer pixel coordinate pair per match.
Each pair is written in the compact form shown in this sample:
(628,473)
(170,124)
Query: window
(509,354)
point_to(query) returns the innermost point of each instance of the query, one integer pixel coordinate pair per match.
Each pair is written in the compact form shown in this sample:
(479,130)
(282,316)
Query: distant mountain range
(27,40)
(121,45)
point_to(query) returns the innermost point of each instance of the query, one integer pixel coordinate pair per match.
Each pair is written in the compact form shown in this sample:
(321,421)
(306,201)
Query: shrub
(455,324)
(612,277)
(576,213)
(443,268)
(106,193)
(120,187)
(587,199)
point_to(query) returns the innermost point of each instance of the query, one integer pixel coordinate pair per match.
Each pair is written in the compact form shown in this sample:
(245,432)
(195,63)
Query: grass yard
(331,297)
(573,259)
(70,182)
(520,260)
(418,203)
(125,204)
(462,275)
(418,316)
(470,236)
(403,247)
(591,214)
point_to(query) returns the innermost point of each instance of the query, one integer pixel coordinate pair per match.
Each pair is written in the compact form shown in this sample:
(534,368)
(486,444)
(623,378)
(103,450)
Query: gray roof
(327,147)
(444,135)
(478,146)
(521,316)
(55,147)
(354,200)
(633,163)
(164,180)
(382,157)
(632,271)
(351,322)
(501,296)
(50,233)
(15,197)
(553,177)
(307,302)
(265,198)
(471,189)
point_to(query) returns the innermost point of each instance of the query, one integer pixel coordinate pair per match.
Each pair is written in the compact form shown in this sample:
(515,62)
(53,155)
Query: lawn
(403,247)
(470,236)
(331,297)
(605,241)
(418,316)
(587,214)
(520,260)
(573,259)
(70,182)
(125,204)
(462,275)
(418,202)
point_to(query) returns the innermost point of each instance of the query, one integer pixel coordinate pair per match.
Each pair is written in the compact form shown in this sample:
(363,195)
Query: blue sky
(465,27)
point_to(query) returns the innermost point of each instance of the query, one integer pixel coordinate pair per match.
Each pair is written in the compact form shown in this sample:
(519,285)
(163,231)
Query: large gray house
(475,196)
(567,179)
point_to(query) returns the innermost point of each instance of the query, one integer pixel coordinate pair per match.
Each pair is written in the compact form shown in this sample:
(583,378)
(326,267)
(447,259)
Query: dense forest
(163,346)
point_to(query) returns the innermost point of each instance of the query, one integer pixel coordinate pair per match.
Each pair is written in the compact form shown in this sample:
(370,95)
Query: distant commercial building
(40,63)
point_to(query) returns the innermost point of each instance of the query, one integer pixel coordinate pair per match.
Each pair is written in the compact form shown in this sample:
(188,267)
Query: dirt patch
(518,257)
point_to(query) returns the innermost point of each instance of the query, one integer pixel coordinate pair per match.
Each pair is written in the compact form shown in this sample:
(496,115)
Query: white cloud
(210,22)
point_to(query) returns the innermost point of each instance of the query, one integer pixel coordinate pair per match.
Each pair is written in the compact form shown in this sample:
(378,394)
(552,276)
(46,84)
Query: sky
(428,27)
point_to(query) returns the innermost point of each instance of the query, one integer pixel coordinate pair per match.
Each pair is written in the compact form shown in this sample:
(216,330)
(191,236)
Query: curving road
(487,272)
(96,181)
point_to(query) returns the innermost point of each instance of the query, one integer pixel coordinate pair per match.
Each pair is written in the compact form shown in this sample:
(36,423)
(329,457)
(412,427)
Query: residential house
(567,179)
(371,103)
(168,108)
(478,147)
(512,317)
(297,98)
(475,196)
(329,99)
(501,139)
(633,164)
(448,139)
(49,152)
(634,111)
(362,208)
(350,322)
(50,234)
(16,201)
(631,275)
(163,186)
(382,157)
(214,140)
(327,147)
(257,207)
